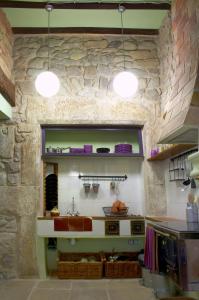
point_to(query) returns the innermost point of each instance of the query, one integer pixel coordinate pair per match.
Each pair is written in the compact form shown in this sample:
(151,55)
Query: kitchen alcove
(69,140)
(73,164)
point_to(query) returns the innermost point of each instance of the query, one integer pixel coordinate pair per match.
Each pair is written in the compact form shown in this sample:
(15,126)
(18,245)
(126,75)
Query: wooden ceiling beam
(7,88)
(86,30)
(83,5)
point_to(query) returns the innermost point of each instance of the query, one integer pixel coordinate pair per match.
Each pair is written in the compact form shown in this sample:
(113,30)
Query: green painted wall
(5,109)
(108,138)
(94,245)
(85,18)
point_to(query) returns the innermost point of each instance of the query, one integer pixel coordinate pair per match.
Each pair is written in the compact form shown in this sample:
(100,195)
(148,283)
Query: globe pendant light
(47,83)
(125,83)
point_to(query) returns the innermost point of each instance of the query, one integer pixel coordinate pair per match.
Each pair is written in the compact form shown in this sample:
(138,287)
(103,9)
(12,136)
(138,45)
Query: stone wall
(178,50)
(85,65)
(8,169)
(6,41)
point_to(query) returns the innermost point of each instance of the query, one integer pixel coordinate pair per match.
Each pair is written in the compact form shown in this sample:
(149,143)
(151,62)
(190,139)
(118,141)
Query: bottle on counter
(191,209)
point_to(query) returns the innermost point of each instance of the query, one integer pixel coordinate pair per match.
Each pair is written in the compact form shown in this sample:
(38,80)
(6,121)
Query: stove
(182,229)
(178,246)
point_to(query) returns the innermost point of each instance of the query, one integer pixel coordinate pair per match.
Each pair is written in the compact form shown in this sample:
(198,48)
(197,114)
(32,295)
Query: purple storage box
(88,148)
(76,150)
(123,148)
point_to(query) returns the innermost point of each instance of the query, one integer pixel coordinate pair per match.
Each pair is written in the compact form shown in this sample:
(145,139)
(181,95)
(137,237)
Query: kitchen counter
(128,226)
(180,228)
(131,217)
(160,218)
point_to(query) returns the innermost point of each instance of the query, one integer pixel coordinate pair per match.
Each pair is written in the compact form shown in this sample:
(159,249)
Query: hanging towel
(149,251)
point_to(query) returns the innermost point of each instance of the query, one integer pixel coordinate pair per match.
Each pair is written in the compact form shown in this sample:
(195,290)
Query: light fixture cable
(49,8)
(47,83)
(125,83)
(121,9)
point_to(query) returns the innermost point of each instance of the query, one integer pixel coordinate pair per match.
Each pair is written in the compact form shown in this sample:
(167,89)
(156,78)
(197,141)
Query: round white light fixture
(47,84)
(125,84)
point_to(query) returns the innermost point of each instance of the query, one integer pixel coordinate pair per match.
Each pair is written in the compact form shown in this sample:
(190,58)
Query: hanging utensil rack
(103,177)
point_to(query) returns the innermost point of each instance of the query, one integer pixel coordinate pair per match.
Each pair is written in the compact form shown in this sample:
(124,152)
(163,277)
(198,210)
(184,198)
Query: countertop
(161,218)
(130,217)
(180,226)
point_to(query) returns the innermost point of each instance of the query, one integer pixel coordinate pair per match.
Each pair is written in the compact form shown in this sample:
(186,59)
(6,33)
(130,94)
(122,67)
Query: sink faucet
(72,212)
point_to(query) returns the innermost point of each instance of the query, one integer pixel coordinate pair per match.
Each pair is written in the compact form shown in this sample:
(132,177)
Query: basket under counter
(129,268)
(70,266)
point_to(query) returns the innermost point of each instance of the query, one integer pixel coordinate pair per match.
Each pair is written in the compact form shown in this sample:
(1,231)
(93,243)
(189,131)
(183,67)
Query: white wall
(176,197)
(131,191)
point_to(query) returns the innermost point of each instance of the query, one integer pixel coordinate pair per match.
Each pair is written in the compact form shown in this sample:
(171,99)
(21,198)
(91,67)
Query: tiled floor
(104,289)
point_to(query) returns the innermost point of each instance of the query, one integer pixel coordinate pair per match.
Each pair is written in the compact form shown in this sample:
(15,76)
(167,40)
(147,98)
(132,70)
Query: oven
(167,248)
(178,258)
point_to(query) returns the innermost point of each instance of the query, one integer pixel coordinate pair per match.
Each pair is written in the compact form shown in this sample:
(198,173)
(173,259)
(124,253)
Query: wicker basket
(123,269)
(109,213)
(70,266)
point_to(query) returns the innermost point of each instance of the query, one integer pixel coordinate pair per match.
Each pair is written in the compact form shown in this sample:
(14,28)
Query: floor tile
(56,289)
(16,289)
(55,284)
(89,294)
(79,284)
(124,283)
(49,294)
(131,294)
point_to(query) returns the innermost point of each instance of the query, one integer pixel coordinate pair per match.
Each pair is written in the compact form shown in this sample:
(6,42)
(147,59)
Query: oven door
(167,261)
(189,264)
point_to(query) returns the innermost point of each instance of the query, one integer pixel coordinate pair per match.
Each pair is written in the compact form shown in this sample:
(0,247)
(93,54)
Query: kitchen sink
(72,223)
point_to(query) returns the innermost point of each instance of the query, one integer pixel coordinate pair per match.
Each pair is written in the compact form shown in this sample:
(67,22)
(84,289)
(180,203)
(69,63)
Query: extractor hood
(187,133)
(184,135)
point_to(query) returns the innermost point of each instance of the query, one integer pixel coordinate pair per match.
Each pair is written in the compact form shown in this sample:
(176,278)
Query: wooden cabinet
(59,140)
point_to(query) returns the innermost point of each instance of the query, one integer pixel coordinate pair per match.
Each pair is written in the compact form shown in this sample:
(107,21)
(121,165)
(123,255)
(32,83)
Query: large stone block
(115,44)
(13,167)
(74,71)
(71,43)
(8,255)
(3,178)
(8,223)
(30,151)
(19,200)
(144,45)
(36,63)
(130,45)
(155,200)
(13,179)
(90,72)
(77,54)
(96,44)
(142,54)
(27,247)
(7,141)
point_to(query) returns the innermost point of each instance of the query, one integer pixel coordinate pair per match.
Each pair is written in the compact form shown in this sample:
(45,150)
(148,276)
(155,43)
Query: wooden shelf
(98,136)
(172,151)
(47,155)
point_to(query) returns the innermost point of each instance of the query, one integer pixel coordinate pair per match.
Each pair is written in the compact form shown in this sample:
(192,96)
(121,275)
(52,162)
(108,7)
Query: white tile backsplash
(176,197)
(131,191)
